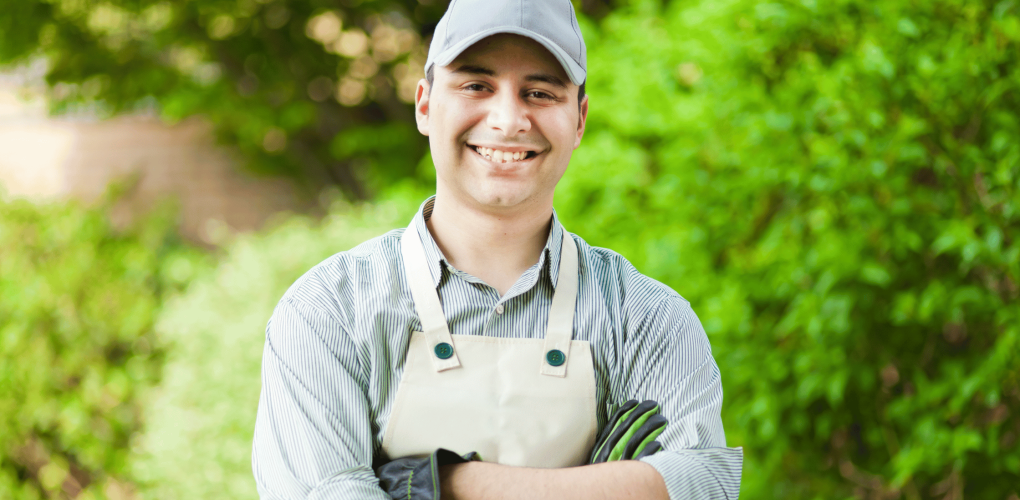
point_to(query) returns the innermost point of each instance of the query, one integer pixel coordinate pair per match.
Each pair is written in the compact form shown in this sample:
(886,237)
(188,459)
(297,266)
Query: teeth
(499,156)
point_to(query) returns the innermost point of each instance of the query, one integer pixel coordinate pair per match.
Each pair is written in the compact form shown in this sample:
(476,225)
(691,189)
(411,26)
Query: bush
(834,186)
(200,423)
(77,304)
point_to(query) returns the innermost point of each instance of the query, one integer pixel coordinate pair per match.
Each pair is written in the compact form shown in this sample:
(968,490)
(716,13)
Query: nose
(508,114)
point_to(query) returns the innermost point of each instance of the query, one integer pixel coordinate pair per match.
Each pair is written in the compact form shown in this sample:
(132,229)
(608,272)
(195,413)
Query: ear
(582,118)
(421,106)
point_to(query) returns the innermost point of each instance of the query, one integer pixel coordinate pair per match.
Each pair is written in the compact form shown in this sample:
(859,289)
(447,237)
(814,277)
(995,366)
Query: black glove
(418,478)
(630,433)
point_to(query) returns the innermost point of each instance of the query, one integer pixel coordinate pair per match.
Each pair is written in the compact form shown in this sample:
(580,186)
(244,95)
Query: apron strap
(426,302)
(561,313)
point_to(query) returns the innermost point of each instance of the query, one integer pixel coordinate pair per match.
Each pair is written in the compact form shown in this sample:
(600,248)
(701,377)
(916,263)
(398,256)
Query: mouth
(499,156)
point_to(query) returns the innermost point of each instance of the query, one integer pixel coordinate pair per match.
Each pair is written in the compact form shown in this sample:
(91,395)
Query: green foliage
(78,300)
(834,186)
(278,79)
(197,442)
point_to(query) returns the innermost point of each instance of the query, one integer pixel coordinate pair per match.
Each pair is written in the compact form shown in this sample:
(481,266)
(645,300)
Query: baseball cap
(551,23)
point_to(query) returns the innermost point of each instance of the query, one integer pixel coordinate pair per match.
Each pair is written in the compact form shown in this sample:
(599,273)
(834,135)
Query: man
(485,327)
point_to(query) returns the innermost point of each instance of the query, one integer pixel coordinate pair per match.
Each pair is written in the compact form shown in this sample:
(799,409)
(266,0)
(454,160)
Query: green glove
(418,478)
(630,433)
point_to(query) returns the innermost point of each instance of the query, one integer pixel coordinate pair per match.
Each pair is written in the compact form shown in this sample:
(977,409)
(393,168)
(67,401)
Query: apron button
(444,350)
(555,357)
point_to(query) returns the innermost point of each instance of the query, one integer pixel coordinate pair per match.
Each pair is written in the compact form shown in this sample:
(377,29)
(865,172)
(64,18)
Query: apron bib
(523,402)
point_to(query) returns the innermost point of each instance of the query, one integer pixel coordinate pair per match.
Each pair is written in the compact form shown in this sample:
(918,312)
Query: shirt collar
(436,260)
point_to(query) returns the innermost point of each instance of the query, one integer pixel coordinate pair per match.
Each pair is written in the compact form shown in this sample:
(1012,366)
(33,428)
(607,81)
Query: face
(502,121)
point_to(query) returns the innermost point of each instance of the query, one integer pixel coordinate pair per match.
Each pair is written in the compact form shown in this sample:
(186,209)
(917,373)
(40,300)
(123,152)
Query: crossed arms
(314,435)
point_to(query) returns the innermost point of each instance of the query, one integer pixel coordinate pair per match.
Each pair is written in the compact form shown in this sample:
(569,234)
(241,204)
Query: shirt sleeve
(313,436)
(669,360)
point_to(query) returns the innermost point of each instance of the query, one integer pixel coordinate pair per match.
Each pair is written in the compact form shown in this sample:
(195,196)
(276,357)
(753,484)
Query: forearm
(612,480)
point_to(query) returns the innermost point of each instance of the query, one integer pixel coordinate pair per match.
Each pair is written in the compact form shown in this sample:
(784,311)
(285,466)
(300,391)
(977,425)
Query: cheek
(562,131)
(455,116)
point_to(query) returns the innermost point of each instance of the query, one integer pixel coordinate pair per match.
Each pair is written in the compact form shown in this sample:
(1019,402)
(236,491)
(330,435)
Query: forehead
(507,51)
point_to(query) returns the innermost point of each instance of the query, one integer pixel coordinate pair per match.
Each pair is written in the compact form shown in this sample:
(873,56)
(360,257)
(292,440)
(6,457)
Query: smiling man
(484,329)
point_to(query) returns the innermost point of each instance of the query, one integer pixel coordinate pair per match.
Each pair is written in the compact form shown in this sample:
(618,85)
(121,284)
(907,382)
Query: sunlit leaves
(77,347)
(841,200)
(244,64)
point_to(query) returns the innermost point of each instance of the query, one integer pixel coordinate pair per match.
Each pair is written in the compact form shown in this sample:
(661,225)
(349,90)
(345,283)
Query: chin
(500,196)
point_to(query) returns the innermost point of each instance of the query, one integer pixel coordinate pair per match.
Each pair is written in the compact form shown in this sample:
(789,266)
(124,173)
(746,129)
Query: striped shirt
(335,347)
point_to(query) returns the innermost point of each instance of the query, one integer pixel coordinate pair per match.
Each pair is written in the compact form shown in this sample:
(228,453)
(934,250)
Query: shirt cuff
(353,484)
(358,483)
(702,473)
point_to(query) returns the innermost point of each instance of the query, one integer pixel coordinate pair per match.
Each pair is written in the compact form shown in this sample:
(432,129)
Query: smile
(500,156)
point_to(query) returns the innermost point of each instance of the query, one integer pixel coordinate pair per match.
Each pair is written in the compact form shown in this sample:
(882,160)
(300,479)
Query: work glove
(630,433)
(418,478)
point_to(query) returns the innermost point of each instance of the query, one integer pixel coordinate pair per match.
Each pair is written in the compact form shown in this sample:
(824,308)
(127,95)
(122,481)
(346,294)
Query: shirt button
(499,309)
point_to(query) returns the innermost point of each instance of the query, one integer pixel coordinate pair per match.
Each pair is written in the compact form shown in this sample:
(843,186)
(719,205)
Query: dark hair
(431,74)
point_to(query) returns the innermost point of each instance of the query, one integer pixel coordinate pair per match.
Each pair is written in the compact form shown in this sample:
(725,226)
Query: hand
(418,478)
(630,433)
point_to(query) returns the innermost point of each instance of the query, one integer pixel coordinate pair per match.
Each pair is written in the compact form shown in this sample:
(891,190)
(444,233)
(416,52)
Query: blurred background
(832,184)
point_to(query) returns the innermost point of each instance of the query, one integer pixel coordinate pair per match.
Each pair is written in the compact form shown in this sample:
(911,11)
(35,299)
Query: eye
(474,87)
(538,94)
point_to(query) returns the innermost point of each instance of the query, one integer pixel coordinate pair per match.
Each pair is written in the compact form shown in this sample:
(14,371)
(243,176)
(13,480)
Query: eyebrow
(546,78)
(472,69)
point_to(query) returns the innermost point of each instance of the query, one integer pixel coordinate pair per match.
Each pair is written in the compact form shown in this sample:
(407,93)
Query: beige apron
(524,402)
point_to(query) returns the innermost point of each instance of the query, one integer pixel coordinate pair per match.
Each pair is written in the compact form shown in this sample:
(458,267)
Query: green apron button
(444,350)
(555,357)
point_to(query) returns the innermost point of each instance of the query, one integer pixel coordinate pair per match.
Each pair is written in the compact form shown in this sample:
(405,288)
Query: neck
(496,247)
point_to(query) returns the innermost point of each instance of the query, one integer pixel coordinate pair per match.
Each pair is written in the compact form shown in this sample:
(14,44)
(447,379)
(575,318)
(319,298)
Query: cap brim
(574,70)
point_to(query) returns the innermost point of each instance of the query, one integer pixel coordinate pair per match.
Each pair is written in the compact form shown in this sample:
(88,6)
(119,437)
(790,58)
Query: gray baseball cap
(551,23)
